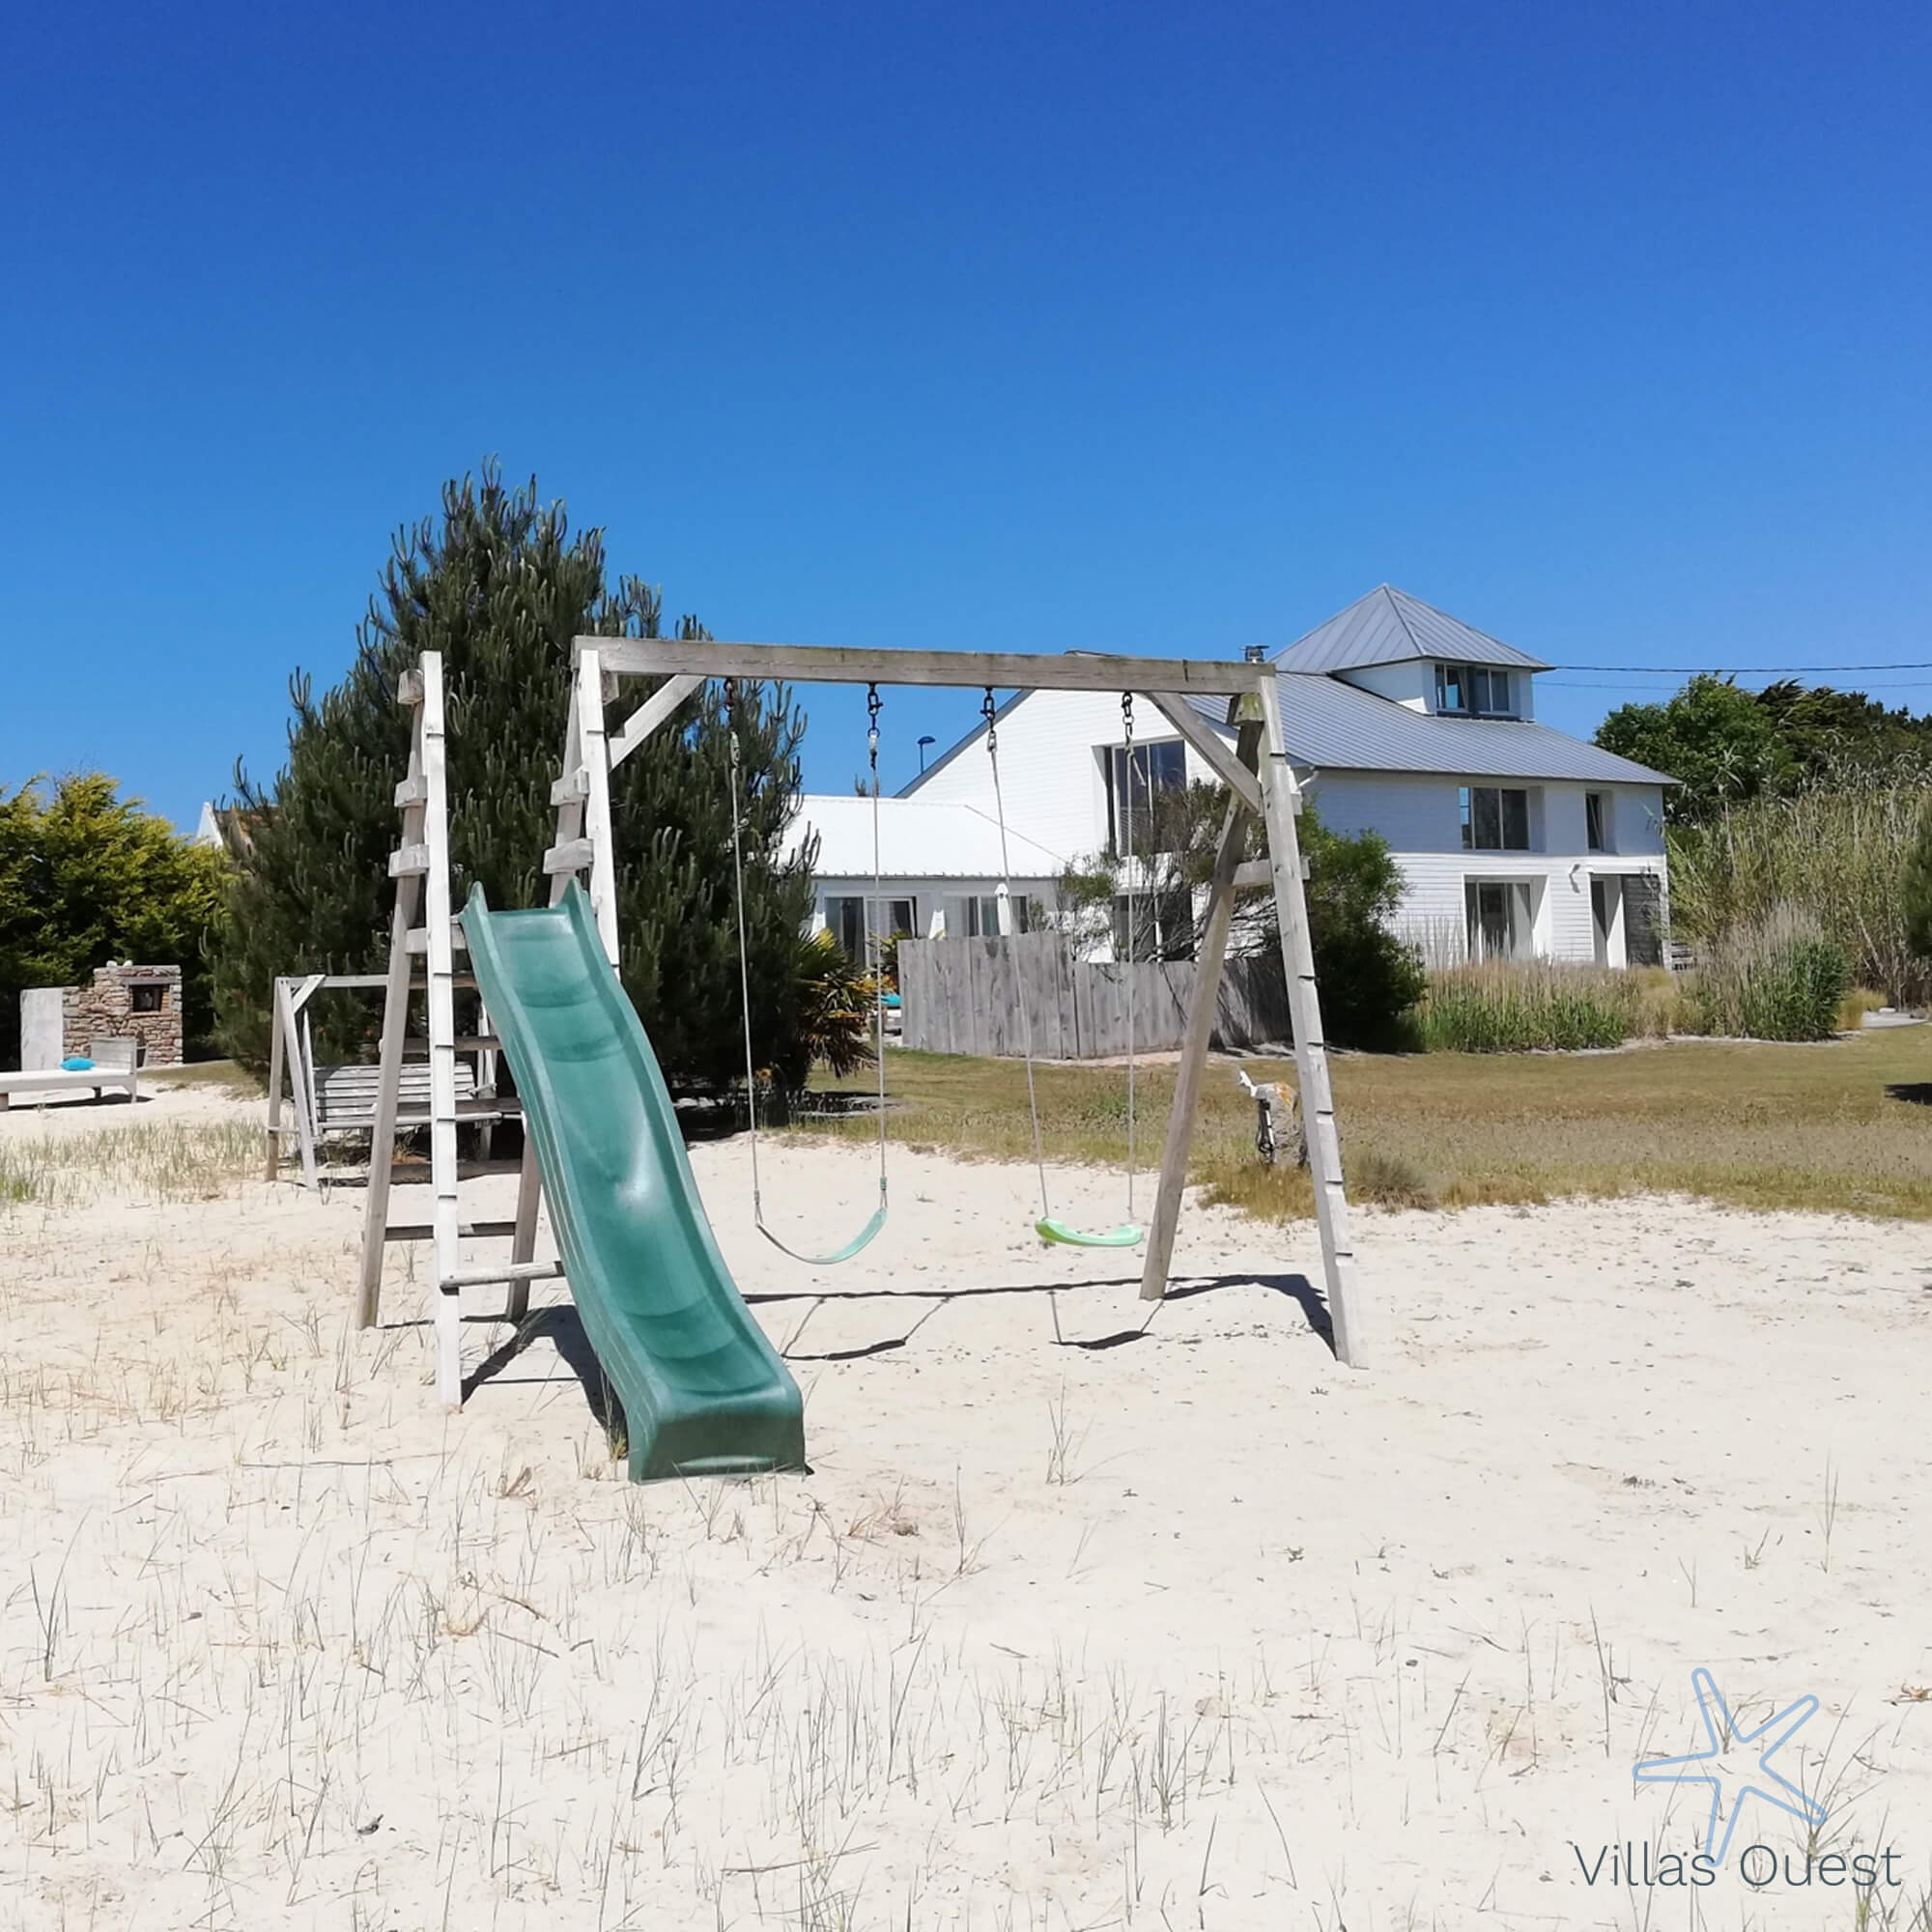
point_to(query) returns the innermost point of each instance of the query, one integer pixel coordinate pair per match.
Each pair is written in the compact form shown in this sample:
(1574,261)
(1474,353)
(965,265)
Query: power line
(1740,671)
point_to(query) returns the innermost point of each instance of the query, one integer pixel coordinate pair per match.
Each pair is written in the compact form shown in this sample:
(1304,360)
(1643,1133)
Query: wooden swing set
(426,934)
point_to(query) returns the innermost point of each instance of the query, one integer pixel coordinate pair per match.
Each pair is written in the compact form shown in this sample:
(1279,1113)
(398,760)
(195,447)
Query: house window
(1498,916)
(1158,768)
(979,916)
(1597,821)
(1163,925)
(1473,691)
(1494,820)
(146,999)
(851,919)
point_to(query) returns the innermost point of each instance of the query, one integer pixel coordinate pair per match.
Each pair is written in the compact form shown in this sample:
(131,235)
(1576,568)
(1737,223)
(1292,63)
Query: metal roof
(1335,727)
(919,838)
(1389,626)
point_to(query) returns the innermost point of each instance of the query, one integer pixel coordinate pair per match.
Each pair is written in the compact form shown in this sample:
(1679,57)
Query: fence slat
(963,996)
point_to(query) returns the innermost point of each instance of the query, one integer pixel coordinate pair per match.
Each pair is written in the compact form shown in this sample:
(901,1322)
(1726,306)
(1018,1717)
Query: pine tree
(501,585)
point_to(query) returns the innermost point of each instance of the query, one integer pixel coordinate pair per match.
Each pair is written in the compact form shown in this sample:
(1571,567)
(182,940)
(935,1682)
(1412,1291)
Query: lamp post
(923,743)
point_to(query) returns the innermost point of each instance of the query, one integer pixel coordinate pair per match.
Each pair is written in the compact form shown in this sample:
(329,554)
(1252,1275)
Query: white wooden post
(1281,798)
(442,1039)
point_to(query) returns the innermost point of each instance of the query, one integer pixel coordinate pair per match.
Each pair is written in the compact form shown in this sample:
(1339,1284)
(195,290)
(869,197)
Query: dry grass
(161,1161)
(1750,1126)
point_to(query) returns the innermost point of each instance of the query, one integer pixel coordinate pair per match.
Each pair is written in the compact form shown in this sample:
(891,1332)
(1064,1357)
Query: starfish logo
(1736,1764)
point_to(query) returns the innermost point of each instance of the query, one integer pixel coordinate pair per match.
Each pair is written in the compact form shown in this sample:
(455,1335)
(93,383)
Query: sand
(1080,1619)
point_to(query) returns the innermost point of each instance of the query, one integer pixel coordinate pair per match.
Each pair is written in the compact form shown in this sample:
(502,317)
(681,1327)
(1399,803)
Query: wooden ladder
(424,933)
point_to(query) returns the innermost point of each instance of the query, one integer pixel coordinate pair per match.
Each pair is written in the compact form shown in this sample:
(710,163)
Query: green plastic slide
(705,1393)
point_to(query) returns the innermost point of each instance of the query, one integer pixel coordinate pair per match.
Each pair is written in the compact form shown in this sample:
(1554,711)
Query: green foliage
(86,876)
(1527,1007)
(499,584)
(837,1008)
(1915,886)
(1716,741)
(1370,980)
(1775,979)
(1728,747)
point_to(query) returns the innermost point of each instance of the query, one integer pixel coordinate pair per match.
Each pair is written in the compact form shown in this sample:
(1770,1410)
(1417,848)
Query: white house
(1514,839)
(939,859)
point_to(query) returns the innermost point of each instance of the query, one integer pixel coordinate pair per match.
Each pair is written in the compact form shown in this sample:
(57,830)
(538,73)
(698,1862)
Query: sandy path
(1064,1628)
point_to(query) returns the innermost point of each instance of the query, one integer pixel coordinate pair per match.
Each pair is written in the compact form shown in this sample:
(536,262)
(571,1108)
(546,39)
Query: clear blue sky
(1605,326)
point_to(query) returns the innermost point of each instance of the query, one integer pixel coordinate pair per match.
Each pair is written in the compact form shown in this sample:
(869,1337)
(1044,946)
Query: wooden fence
(963,996)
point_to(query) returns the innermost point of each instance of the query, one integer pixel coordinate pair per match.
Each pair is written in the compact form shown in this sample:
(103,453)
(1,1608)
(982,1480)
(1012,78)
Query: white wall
(1051,773)
(1422,814)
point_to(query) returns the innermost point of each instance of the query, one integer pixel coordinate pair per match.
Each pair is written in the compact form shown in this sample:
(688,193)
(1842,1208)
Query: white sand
(1196,1630)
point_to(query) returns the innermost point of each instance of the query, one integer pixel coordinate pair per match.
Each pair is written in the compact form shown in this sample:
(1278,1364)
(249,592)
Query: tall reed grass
(1527,1006)
(1837,857)
(1775,976)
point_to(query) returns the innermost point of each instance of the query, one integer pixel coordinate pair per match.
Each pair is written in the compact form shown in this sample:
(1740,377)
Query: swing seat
(862,1239)
(1051,1231)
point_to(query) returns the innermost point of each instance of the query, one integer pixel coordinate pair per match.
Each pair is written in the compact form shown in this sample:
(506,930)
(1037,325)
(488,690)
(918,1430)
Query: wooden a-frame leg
(1353,1344)
(1194,1041)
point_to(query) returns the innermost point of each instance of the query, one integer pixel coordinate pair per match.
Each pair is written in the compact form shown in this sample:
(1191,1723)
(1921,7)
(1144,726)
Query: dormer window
(1473,691)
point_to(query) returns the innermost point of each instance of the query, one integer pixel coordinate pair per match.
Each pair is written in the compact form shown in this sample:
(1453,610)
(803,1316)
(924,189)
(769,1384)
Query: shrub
(1510,1006)
(1777,977)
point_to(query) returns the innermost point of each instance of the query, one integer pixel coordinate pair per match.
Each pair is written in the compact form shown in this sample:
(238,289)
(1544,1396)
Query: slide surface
(705,1393)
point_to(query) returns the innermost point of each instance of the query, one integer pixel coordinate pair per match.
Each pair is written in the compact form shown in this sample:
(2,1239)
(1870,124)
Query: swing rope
(864,1238)
(1048,1227)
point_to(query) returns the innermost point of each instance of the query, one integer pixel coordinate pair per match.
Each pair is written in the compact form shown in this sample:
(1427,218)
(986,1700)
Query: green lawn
(1756,1126)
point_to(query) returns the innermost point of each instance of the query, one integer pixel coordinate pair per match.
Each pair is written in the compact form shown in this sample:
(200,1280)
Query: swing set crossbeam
(1256,769)
(1003,670)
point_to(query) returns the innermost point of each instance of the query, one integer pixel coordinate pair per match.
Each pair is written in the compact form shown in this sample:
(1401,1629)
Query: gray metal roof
(1335,727)
(1389,626)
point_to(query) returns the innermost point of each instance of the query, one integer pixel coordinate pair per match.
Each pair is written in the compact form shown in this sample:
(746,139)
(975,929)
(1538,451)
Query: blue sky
(1150,330)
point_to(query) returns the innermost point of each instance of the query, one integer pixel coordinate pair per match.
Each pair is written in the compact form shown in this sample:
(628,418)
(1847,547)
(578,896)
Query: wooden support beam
(570,858)
(395,1025)
(484,1277)
(657,709)
(1197,1032)
(1354,1343)
(272,1165)
(590,670)
(468,1230)
(972,670)
(1218,754)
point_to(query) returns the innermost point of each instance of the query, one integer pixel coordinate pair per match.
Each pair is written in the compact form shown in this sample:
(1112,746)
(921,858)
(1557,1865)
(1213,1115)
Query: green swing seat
(1127,1235)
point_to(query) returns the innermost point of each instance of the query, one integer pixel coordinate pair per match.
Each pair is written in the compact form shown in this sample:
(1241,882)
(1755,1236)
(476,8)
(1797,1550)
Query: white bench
(114,1070)
(344,1097)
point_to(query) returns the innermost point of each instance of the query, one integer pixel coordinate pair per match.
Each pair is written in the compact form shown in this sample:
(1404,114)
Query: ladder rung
(572,855)
(409,688)
(464,1042)
(508,1272)
(409,862)
(412,1171)
(417,941)
(468,1230)
(480,1109)
(569,789)
(412,791)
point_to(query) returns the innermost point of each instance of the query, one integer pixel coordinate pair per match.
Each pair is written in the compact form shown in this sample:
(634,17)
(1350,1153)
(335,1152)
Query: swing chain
(990,711)
(732,721)
(872,710)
